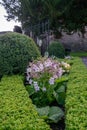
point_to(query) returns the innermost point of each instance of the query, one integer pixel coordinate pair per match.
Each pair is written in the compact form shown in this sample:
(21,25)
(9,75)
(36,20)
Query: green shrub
(16,109)
(55,48)
(76,97)
(16,50)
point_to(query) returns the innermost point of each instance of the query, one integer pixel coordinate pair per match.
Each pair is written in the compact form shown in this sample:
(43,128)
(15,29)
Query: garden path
(84,59)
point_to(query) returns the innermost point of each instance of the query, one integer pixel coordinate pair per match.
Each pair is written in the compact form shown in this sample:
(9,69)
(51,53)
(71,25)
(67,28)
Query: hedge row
(16,109)
(76,97)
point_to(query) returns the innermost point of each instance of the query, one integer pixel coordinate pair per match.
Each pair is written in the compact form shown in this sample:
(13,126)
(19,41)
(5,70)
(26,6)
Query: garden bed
(76,97)
(17,111)
(46,81)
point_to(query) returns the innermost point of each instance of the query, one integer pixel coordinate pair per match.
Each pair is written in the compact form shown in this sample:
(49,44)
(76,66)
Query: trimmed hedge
(16,50)
(76,97)
(56,49)
(16,109)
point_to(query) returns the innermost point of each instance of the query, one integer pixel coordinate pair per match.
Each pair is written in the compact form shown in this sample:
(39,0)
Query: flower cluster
(66,66)
(44,72)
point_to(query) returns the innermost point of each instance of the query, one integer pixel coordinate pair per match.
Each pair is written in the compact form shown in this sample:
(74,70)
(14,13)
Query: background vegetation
(56,49)
(66,14)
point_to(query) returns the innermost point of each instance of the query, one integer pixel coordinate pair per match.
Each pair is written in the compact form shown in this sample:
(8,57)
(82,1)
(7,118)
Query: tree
(67,14)
(75,18)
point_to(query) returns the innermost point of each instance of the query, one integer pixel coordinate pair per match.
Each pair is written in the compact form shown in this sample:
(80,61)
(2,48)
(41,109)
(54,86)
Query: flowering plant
(42,76)
(47,83)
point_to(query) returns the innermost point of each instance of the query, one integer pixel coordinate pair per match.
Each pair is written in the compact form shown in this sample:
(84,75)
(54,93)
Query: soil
(59,126)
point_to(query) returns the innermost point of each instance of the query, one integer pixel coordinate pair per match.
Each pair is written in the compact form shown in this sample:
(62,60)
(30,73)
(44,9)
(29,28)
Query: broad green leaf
(55,114)
(61,89)
(44,111)
(61,98)
(55,95)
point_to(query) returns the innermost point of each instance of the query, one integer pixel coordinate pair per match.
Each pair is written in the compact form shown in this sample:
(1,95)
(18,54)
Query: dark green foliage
(76,97)
(16,109)
(16,50)
(70,14)
(55,48)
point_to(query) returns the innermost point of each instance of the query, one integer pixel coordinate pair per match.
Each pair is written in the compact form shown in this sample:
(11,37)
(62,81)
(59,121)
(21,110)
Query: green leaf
(44,111)
(56,95)
(55,114)
(30,89)
(61,89)
(62,79)
(60,97)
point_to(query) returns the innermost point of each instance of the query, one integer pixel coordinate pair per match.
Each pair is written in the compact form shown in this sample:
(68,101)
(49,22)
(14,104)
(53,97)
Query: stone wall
(74,42)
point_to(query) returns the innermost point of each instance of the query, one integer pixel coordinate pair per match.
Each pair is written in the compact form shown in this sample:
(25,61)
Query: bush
(76,97)
(55,48)
(16,109)
(16,50)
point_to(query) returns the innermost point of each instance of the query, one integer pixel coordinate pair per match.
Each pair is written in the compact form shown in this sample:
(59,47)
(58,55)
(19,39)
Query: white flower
(51,81)
(44,89)
(28,70)
(30,81)
(66,65)
(36,87)
(35,83)
(28,77)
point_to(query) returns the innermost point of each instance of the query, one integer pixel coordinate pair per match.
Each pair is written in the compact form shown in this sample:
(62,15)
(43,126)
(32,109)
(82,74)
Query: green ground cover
(16,109)
(76,97)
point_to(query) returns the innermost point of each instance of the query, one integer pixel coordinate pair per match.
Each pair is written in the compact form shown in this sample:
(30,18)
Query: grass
(79,54)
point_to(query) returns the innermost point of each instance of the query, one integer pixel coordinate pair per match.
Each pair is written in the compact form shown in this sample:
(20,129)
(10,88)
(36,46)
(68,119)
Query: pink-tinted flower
(30,81)
(51,81)
(35,68)
(41,67)
(55,66)
(28,70)
(55,76)
(47,63)
(60,72)
(36,87)
(45,70)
